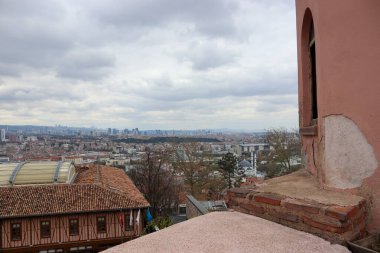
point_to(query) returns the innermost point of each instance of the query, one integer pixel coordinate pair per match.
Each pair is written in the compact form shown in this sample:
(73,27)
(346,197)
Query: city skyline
(30,129)
(149,64)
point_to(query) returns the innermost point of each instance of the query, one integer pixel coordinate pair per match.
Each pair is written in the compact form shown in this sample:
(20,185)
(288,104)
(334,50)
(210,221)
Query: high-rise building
(2,135)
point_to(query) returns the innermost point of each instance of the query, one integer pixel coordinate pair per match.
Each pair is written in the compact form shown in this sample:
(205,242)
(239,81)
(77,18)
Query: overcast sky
(151,64)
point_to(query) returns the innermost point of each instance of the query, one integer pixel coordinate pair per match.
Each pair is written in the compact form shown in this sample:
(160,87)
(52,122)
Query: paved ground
(302,185)
(231,232)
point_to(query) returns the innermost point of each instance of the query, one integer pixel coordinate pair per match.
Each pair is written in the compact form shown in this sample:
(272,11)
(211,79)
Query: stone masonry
(332,222)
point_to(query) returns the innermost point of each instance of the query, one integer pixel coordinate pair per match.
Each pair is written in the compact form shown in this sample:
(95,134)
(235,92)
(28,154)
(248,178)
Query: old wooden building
(49,207)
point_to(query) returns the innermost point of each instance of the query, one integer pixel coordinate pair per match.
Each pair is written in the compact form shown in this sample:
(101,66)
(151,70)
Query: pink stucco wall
(344,153)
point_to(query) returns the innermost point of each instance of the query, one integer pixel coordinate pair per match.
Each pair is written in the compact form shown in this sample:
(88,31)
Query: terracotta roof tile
(110,177)
(95,189)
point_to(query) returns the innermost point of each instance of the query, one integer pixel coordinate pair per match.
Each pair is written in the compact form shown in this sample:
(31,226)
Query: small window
(16,231)
(182,209)
(45,229)
(128,223)
(73,226)
(101,224)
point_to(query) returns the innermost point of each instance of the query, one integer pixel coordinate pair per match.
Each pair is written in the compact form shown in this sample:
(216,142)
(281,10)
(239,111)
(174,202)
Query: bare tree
(156,179)
(285,146)
(193,165)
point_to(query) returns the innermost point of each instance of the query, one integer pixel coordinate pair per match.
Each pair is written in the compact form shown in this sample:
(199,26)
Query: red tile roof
(95,189)
(110,177)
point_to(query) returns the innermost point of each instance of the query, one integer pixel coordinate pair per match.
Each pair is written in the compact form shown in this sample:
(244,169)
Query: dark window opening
(128,222)
(15,231)
(45,229)
(313,74)
(101,224)
(182,210)
(74,227)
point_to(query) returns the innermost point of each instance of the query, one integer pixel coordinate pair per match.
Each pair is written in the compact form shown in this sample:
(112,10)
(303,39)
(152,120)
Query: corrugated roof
(6,170)
(35,173)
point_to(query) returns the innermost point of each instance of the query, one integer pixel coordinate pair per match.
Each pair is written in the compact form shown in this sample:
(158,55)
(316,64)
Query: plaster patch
(349,158)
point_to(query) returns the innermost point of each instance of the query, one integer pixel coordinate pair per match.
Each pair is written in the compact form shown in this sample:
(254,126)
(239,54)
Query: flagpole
(138,221)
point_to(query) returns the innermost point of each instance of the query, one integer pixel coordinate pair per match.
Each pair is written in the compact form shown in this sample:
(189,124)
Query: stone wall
(331,222)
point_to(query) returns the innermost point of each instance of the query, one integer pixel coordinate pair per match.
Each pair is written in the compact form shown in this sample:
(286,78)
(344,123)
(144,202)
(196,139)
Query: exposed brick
(302,207)
(242,201)
(232,202)
(240,195)
(285,216)
(239,191)
(325,227)
(254,209)
(230,194)
(258,209)
(240,209)
(321,218)
(270,199)
(246,206)
(342,213)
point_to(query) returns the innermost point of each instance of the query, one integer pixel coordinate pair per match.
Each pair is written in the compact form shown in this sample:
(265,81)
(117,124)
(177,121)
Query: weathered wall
(344,150)
(349,158)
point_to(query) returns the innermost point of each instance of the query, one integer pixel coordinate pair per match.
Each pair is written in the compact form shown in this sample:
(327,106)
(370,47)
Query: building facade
(338,76)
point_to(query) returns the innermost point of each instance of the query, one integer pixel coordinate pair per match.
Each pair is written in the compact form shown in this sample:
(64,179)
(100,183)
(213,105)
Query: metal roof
(44,172)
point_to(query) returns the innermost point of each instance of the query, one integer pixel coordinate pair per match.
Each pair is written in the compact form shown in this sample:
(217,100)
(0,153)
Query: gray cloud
(208,55)
(148,63)
(167,89)
(85,65)
(211,17)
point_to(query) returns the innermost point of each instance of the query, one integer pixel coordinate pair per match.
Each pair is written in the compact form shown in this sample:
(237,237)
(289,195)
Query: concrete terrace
(228,232)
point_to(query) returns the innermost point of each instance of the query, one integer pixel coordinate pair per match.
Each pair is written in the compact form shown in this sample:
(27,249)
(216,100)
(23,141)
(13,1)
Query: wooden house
(84,209)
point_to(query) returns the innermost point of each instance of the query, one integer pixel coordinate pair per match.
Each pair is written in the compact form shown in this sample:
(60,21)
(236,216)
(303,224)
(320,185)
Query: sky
(151,64)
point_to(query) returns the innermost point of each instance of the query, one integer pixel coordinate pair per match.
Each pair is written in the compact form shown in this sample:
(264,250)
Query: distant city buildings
(2,135)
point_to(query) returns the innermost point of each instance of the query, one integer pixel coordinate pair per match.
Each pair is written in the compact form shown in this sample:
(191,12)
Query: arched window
(313,74)
(308,70)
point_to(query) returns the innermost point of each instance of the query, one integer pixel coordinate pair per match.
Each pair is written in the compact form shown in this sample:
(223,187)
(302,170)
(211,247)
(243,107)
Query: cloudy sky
(151,64)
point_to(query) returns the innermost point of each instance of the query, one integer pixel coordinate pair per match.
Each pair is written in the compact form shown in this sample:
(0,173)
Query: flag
(121,219)
(138,217)
(149,215)
(130,218)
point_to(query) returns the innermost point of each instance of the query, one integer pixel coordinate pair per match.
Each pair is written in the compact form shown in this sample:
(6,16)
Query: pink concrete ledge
(228,232)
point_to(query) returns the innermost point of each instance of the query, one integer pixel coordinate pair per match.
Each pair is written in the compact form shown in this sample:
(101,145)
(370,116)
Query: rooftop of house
(94,188)
(228,232)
